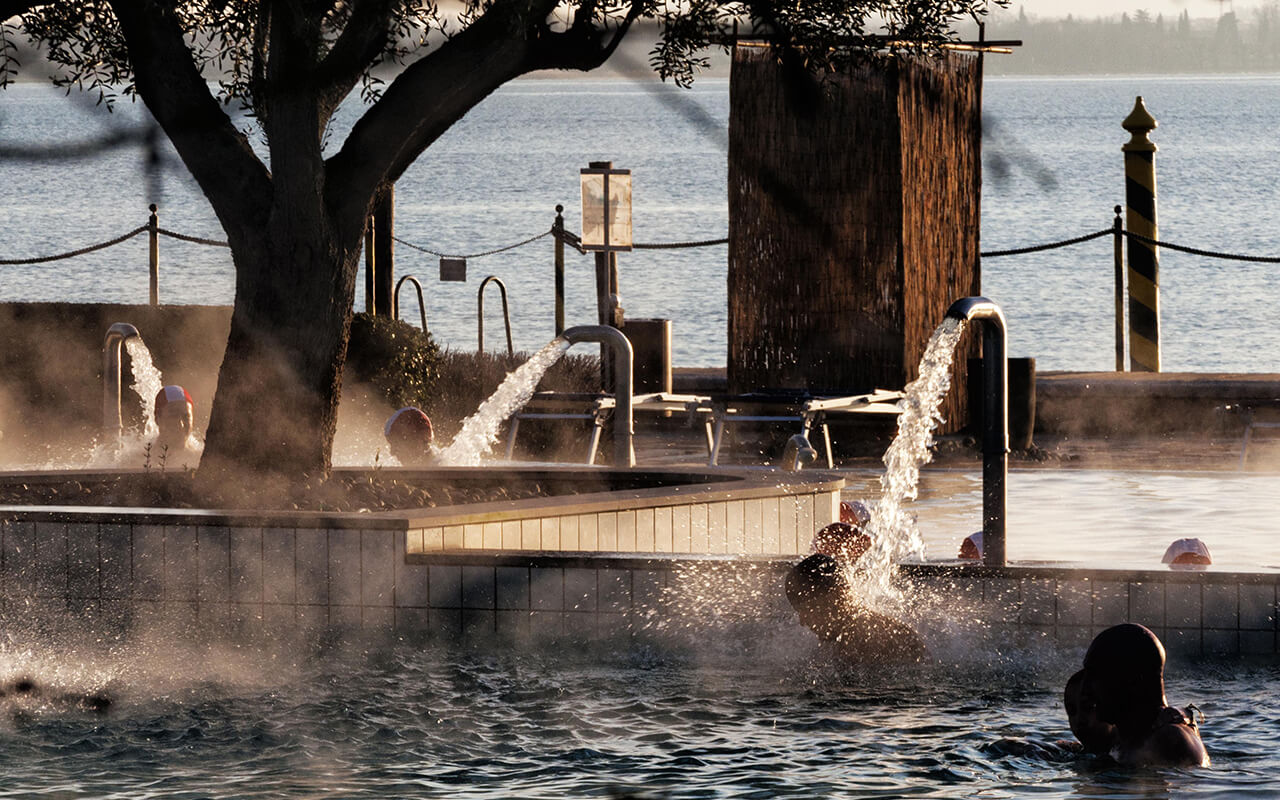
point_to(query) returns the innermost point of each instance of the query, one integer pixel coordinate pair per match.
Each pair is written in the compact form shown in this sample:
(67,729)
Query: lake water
(1053,170)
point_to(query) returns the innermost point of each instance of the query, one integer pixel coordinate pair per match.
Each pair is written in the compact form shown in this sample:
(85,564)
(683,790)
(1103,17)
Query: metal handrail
(112,418)
(506,314)
(395,300)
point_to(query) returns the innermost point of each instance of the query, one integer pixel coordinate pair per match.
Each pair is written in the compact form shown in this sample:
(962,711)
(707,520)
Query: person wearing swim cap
(1122,685)
(855,513)
(846,540)
(819,590)
(1187,554)
(175,419)
(409,436)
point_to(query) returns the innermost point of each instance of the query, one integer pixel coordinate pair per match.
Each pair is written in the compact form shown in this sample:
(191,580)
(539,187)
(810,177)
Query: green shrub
(401,361)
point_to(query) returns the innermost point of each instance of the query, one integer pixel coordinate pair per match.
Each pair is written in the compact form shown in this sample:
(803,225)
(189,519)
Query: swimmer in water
(819,591)
(1122,688)
(175,417)
(409,436)
(24,691)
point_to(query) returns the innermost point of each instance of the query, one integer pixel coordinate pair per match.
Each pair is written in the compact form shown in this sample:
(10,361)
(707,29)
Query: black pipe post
(557,232)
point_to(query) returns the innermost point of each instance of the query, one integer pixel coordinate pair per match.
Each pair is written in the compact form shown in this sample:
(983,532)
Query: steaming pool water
(430,722)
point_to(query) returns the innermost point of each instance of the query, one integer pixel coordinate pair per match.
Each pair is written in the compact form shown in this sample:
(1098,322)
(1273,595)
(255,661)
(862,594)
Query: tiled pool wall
(233,581)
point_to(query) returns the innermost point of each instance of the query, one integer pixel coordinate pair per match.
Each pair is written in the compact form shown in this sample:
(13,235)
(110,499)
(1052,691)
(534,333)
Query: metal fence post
(557,232)
(1117,233)
(153,254)
(1144,262)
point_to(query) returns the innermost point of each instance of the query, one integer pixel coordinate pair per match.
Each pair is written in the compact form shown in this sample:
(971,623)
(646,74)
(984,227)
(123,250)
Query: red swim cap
(408,424)
(971,547)
(1187,551)
(855,513)
(173,400)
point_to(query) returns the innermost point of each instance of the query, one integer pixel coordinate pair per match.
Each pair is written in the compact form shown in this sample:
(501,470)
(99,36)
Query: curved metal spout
(995,421)
(112,421)
(623,357)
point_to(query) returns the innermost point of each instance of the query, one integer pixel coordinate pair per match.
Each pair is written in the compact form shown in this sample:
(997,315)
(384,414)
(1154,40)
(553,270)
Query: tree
(295,222)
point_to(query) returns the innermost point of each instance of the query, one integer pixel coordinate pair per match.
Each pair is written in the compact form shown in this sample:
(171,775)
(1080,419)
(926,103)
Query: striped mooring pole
(1144,262)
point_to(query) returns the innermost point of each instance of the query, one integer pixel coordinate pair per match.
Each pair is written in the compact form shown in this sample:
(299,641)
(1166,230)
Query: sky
(1105,8)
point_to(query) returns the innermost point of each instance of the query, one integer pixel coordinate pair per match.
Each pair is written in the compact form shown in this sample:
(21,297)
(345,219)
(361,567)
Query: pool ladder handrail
(112,416)
(995,421)
(624,454)
(506,314)
(395,300)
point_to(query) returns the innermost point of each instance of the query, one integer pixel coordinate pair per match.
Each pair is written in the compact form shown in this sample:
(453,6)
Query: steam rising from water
(480,430)
(893,529)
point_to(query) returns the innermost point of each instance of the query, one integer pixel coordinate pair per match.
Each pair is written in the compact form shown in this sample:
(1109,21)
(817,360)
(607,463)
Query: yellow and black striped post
(1144,262)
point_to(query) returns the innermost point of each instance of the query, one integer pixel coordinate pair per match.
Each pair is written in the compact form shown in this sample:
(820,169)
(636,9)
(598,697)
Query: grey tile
(478,588)
(245,568)
(1146,604)
(446,623)
(1182,642)
(512,624)
(311,562)
(615,589)
(580,589)
(378,618)
(546,590)
(580,628)
(51,559)
(344,567)
(413,620)
(546,625)
(446,587)
(649,587)
(215,619)
(278,565)
(512,588)
(412,585)
(378,568)
(1076,637)
(1258,607)
(1002,599)
(82,561)
(1039,602)
(115,560)
(478,623)
(147,562)
(19,558)
(279,620)
(1110,602)
(1075,602)
(1221,606)
(214,568)
(1182,605)
(181,566)
(1221,643)
(1257,642)
(245,619)
(344,617)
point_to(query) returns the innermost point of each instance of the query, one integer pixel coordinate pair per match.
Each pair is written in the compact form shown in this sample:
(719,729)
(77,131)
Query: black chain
(192,239)
(494,251)
(82,251)
(680,245)
(1198,252)
(1050,246)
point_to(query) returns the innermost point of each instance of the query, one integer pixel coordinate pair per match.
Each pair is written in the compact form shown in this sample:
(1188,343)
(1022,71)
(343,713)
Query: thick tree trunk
(274,417)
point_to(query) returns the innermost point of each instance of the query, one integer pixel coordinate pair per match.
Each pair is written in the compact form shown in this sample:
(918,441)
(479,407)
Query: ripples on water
(438,722)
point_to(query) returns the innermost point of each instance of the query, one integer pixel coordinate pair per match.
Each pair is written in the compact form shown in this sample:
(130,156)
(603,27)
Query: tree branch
(421,104)
(357,47)
(218,155)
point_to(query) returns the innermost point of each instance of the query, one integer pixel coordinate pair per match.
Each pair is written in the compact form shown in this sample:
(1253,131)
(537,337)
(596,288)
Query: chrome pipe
(623,360)
(112,419)
(995,421)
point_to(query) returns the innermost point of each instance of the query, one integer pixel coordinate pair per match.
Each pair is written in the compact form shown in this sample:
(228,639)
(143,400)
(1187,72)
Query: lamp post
(606,230)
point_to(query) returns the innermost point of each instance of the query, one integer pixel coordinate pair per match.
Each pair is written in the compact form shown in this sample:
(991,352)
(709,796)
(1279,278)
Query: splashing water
(892,528)
(147,382)
(480,430)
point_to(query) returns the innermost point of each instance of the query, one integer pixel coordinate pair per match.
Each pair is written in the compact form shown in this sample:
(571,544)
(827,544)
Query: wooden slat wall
(825,179)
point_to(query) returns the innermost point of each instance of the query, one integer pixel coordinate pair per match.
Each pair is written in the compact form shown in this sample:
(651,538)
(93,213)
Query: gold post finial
(1139,124)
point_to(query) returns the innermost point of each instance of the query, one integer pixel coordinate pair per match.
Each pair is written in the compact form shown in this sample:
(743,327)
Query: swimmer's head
(409,436)
(1124,673)
(855,513)
(175,415)
(841,541)
(1096,736)
(818,590)
(1187,554)
(971,547)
